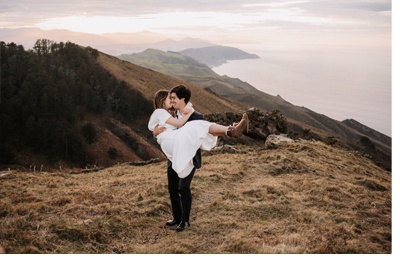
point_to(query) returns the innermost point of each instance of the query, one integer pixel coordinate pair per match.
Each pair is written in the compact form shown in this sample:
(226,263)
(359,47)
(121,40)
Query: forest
(50,89)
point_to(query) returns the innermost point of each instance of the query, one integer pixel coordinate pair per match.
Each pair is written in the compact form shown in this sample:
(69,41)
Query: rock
(273,140)
(262,123)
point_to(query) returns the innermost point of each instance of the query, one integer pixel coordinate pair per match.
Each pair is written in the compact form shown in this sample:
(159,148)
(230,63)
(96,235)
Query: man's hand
(158,130)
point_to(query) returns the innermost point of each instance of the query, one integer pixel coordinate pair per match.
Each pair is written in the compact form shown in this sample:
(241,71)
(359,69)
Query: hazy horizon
(346,84)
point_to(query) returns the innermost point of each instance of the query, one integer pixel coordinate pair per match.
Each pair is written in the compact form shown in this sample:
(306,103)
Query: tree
(89,133)
(47,90)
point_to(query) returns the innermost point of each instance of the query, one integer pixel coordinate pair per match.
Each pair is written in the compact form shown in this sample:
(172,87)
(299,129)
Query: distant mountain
(175,45)
(210,56)
(217,55)
(109,43)
(170,63)
(28,36)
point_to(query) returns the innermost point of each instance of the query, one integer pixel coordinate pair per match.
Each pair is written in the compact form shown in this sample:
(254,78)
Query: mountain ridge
(201,75)
(214,56)
(110,43)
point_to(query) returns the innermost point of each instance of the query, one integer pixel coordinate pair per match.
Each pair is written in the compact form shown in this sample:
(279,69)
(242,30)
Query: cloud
(188,21)
(375,6)
(275,4)
(41,9)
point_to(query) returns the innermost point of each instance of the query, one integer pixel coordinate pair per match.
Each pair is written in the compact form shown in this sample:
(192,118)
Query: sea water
(339,83)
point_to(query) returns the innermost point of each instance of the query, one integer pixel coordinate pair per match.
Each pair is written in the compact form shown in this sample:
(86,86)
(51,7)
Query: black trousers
(180,194)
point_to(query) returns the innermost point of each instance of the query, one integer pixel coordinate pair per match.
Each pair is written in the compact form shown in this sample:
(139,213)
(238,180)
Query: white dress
(180,145)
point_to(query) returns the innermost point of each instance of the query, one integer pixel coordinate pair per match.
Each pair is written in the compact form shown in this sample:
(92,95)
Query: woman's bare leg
(217,130)
(234,131)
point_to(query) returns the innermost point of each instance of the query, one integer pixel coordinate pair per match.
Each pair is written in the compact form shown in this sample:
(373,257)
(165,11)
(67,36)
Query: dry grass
(304,197)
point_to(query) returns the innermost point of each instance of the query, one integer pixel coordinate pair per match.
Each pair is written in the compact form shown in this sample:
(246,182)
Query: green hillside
(170,63)
(217,55)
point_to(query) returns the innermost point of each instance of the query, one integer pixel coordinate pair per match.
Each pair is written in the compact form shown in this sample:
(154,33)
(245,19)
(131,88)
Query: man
(178,188)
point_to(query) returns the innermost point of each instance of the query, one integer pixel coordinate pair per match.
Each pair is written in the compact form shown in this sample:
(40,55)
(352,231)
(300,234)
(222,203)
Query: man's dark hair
(182,91)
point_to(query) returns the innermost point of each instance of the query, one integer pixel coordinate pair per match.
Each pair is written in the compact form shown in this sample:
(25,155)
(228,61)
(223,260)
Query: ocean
(339,83)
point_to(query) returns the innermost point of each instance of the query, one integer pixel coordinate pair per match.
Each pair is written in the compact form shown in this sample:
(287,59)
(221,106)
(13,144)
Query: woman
(180,145)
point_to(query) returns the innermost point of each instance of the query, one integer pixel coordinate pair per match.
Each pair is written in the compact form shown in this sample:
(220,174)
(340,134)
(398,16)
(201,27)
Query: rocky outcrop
(262,124)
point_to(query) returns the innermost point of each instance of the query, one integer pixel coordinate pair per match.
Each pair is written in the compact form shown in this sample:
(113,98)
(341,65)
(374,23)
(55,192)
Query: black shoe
(182,226)
(172,222)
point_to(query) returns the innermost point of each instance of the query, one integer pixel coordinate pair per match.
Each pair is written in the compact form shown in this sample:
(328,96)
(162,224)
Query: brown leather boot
(238,130)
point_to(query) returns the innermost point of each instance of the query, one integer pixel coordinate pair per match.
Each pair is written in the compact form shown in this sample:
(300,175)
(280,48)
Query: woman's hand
(188,109)
(186,112)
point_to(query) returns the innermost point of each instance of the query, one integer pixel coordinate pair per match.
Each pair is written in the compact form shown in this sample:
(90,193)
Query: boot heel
(246,117)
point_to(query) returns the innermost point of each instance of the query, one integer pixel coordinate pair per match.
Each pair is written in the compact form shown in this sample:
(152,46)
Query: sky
(257,22)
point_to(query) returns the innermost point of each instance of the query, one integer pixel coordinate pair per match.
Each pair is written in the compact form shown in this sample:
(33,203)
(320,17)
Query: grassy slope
(303,197)
(148,82)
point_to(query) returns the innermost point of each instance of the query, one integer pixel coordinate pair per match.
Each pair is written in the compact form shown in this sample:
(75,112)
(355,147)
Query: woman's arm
(179,122)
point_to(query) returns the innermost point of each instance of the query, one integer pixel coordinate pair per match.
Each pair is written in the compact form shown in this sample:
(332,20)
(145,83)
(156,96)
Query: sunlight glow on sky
(262,21)
(151,22)
(168,20)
